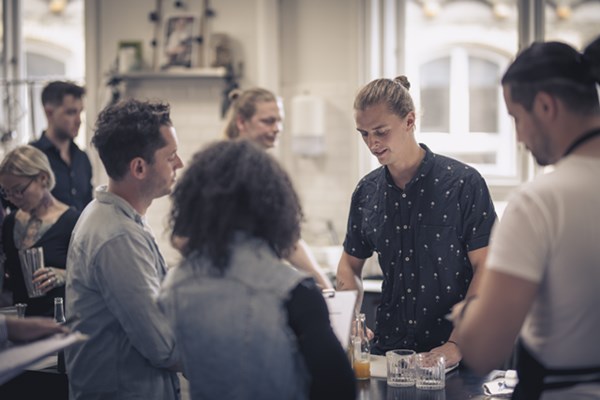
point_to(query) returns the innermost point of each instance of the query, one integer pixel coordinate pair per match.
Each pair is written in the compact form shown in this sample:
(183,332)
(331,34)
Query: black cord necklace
(582,139)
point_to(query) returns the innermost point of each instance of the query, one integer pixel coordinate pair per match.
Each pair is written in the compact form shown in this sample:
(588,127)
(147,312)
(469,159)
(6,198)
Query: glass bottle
(59,317)
(361,348)
(59,310)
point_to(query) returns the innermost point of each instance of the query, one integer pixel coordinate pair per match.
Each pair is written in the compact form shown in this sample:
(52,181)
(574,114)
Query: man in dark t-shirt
(63,105)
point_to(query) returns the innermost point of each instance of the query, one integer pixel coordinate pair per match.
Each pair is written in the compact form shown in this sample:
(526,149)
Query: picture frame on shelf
(129,56)
(180,47)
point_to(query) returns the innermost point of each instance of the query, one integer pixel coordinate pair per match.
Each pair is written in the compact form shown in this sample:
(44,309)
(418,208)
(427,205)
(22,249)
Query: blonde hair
(243,105)
(27,161)
(394,93)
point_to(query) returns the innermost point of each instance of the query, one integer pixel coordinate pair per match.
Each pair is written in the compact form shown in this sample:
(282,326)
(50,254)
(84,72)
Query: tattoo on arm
(340,284)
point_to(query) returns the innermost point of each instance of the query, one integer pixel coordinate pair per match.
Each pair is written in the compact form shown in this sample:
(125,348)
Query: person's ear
(44,179)
(410,120)
(546,104)
(240,123)
(138,168)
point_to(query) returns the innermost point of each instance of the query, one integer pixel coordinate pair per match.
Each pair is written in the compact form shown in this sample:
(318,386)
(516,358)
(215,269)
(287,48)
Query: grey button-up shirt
(114,274)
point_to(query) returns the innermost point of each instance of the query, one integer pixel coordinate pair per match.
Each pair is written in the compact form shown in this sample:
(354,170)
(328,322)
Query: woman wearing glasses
(40,220)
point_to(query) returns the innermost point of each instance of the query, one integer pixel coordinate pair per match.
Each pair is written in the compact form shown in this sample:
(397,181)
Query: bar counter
(461,384)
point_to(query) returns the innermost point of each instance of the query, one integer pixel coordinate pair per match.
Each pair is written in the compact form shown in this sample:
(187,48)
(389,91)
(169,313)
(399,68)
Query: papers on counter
(16,358)
(501,383)
(341,311)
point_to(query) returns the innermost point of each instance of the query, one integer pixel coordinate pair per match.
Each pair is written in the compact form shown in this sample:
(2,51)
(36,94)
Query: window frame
(377,29)
(460,138)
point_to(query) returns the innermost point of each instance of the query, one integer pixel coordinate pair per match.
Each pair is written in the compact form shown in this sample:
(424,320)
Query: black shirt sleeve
(331,374)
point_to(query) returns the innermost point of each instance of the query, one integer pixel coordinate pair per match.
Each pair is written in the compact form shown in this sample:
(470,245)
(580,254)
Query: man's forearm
(351,282)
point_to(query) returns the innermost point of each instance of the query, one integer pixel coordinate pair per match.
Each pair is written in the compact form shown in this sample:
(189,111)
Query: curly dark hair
(234,186)
(127,130)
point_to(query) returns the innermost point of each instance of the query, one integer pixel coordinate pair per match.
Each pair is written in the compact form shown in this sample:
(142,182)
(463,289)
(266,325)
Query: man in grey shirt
(114,267)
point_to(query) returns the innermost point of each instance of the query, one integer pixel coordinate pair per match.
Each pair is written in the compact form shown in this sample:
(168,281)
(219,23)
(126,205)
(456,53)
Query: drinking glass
(400,367)
(31,259)
(431,371)
(21,307)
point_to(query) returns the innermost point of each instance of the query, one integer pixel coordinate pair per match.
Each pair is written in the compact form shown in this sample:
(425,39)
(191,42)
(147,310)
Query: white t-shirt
(550,234)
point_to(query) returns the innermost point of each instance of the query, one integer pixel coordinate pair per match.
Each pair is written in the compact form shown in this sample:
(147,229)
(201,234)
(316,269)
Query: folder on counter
(341,311)
(16,358)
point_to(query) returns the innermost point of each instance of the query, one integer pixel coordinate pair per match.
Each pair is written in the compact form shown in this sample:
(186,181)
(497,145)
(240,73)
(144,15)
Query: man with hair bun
(542,276)
(428,218)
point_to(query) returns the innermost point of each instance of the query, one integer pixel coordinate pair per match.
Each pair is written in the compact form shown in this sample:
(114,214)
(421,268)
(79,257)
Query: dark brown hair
(560,70)
(54,92)
(129,129)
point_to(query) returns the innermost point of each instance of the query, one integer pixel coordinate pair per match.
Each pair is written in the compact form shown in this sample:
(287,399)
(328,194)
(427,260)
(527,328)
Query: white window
(44,42)
(454,53)
(462,112)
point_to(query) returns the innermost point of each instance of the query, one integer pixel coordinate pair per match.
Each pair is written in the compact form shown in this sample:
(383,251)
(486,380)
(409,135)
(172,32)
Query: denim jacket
(232,328)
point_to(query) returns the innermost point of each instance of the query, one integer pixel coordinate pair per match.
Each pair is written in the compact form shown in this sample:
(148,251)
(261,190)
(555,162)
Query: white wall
(289,46)
(319,56)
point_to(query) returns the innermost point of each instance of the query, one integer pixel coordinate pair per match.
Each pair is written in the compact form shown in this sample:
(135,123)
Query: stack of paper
(17,358)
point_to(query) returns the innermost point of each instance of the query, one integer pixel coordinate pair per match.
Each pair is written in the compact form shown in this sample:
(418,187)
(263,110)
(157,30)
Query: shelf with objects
(182,50)
(117,82)
(187,73)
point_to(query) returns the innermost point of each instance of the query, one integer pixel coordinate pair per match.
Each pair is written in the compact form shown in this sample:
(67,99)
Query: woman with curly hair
(248,326)
(255,115)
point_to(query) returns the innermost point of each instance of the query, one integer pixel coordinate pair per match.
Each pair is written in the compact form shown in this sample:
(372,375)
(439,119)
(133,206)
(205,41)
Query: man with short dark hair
(541,281)
(63,105)
(115,268)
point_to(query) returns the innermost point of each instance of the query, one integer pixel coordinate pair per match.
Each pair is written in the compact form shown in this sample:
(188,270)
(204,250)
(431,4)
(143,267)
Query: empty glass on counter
(400,367)
(431,371)
(31,259)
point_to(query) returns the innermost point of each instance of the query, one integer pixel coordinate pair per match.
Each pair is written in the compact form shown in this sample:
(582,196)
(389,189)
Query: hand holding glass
(31,259)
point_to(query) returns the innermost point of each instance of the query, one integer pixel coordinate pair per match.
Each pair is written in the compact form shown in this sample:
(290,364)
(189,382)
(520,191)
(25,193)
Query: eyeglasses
(18,193)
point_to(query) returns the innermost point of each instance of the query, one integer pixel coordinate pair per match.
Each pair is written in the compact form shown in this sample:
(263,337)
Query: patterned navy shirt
(422,236)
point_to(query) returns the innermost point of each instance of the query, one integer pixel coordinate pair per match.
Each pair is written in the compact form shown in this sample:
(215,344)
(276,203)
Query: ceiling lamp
(501,9)
(563,11)
(431,8)
(57,6)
